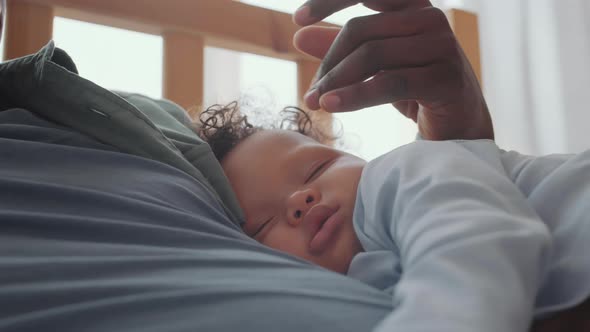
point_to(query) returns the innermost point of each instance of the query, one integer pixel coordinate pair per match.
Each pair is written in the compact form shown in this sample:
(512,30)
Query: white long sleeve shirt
(467,237)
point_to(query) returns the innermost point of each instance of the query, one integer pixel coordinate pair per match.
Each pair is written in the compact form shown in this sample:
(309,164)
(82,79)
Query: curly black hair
(223,127)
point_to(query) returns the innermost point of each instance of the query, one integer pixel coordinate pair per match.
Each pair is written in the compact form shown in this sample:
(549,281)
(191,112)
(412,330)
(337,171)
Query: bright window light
(222,76)
(290,7)
(261,84)
(115,59)
(270,81)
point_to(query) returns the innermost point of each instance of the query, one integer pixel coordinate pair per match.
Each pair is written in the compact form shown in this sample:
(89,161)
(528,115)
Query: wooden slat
(223,23)
(28,28)
(183,73)
(466,28)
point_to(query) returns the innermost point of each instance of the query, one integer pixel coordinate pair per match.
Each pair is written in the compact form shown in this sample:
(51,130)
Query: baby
(458,231)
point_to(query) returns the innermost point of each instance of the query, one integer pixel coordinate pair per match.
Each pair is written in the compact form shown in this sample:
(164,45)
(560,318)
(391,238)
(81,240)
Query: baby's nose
(299,203)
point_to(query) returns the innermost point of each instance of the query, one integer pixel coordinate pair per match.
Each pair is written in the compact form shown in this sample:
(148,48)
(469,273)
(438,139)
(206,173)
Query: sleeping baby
(463,235)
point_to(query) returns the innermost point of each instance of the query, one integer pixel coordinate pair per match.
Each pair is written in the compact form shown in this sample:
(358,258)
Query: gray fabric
(47,84)
(122,233)
(175,124)
(93,239)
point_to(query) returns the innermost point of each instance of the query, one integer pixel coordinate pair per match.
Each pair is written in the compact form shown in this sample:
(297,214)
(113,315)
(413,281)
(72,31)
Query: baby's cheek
(287,240)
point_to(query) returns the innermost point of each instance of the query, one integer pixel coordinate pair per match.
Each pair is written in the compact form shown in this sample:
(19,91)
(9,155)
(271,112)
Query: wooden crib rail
(187,26)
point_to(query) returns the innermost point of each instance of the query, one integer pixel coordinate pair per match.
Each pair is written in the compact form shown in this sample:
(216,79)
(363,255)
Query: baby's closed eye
(261,227)
(316,170)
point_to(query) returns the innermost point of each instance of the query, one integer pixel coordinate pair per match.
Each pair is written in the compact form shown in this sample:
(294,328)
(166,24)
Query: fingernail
(330,103)
(311,99)
(301,15)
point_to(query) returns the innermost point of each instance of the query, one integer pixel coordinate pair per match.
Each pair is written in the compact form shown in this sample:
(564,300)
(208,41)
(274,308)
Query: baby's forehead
(277,141)
(264,148)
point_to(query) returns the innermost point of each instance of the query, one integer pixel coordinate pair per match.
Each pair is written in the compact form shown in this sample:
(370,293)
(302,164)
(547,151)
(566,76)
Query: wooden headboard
(186,26)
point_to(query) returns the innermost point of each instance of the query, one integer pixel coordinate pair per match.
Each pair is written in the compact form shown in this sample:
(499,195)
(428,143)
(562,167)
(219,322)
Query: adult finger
(314,11)
(381,26)
(315,40)
(420,83)
(380,55)
(409,108)
(381,6)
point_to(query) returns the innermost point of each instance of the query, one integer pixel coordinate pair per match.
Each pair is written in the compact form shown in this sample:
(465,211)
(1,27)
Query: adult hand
(406,54)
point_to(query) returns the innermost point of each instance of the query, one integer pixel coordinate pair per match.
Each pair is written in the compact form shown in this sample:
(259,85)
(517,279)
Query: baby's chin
(349,247)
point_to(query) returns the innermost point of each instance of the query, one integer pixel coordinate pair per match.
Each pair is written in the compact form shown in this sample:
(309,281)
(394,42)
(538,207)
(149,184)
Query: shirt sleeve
(557,186)
(471,248)
(530,172)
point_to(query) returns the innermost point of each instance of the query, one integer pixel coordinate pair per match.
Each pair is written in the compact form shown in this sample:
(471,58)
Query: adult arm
(472,250)
(413,58)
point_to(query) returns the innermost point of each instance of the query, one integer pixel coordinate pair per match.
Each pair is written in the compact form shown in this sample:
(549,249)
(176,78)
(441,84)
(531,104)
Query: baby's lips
(316,216)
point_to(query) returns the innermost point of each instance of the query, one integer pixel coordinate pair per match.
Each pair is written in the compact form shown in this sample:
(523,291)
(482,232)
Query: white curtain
(536,71)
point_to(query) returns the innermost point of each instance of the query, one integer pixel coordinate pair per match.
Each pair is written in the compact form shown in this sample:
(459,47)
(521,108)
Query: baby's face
(297,195)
